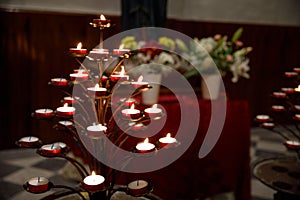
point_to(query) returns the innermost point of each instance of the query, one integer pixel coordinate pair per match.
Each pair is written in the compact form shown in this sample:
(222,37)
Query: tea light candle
(262,118)
(44,113)
(96,130)
(277,108)
(65,111)
(296,69)
(131,112)
(128,101)
(102,20)
(145,147)
(268,125)
(29,141)
(81,71)
(59,81)
(138,187)
(121,50)
(167,141)
(279,94)
(97,91)
(119,76)
(139,83)
(79,76)
(297,107)
(78,50)
(290,74)
(153,111)
(99,53)
(297,117)
(288,90)
(93,182)
(291,144)
(50,150)
(64,125)
(136,126)
(38,184)
(69,100)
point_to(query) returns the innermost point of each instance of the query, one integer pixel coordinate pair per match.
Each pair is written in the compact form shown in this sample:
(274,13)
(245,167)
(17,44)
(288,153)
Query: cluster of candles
(63,111)
(266,121)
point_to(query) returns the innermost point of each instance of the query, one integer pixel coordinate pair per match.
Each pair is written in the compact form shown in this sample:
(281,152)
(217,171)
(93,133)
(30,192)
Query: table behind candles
(226,169)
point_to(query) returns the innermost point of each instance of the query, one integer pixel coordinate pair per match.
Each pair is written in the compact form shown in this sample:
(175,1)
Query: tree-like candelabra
(94,120)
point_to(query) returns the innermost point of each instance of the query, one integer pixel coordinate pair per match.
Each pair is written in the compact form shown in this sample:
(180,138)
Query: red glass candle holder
(278,108)
(96,131)
(59,81)
(37,185)
(93,183)
(65,111)
(44,113)
(293,145)
(262,118)
(279,95)
(50,150)
(29,141)
(138,188)
(268,125)
(79,77)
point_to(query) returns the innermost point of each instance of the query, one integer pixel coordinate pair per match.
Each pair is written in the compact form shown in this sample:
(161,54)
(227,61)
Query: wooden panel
(34,50)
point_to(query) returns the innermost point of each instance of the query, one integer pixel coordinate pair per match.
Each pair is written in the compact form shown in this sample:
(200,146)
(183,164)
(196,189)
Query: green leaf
(237,34)
(191,73)
(219,43)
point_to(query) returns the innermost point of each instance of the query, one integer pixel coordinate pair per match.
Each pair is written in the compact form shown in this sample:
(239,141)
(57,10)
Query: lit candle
(119,76)
(79,76)
(145,147)
(96,131)
(128,101)
(136,126)
(153,111)
(279,94)
(262,118)
(99,53)
(44,113)
(65,111)
(288,90)
(93,182)
(291,74)
(69,100)
(50,150)
(38,184)
(97,91)
(268,125)
(291,144)
(29,141)
(297,117)
(78,50)
(131,112)
(59,81)
(167,141)
(102,20)
(121,50)
(139,83)
(81,71)
(138,187)
(277,108)
(297,89)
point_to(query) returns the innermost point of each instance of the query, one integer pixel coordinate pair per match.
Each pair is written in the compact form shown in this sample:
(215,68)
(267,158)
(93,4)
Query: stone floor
(15,169)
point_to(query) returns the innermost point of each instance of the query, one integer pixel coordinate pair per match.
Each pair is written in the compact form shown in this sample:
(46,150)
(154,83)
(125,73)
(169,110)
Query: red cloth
(225,169)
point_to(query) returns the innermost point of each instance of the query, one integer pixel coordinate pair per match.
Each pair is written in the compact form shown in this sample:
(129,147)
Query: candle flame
(122,71)
(93,173)
(169,135)
(66,105)
(79,45)
(154,106)
(132,107)
(102,17)
(146,140)
(297,89)
(140,79)
(121,46)
(97,85)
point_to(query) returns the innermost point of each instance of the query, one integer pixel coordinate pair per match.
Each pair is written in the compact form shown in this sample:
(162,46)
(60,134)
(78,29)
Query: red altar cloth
(225,169)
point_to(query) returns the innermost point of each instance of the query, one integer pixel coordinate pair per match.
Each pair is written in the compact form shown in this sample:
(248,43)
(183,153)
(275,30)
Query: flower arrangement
(206,53)
(154,56)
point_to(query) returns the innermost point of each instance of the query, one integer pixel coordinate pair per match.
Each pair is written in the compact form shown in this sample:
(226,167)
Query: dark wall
(34,49)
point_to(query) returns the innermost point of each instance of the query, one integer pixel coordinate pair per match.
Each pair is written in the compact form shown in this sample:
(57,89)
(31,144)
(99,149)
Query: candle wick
(29,138)
(38,179)
(45,109)
(137,183)
(52,146)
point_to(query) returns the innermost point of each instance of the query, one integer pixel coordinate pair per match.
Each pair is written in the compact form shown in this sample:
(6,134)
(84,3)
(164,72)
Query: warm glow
(121,46)
(168,135)
(97,85)
(297,89)
(140,79)
(146,140)
(132,107)
(93,173)
(154,106)
(122,73)
(66,105)
(79,45)
(102,17)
